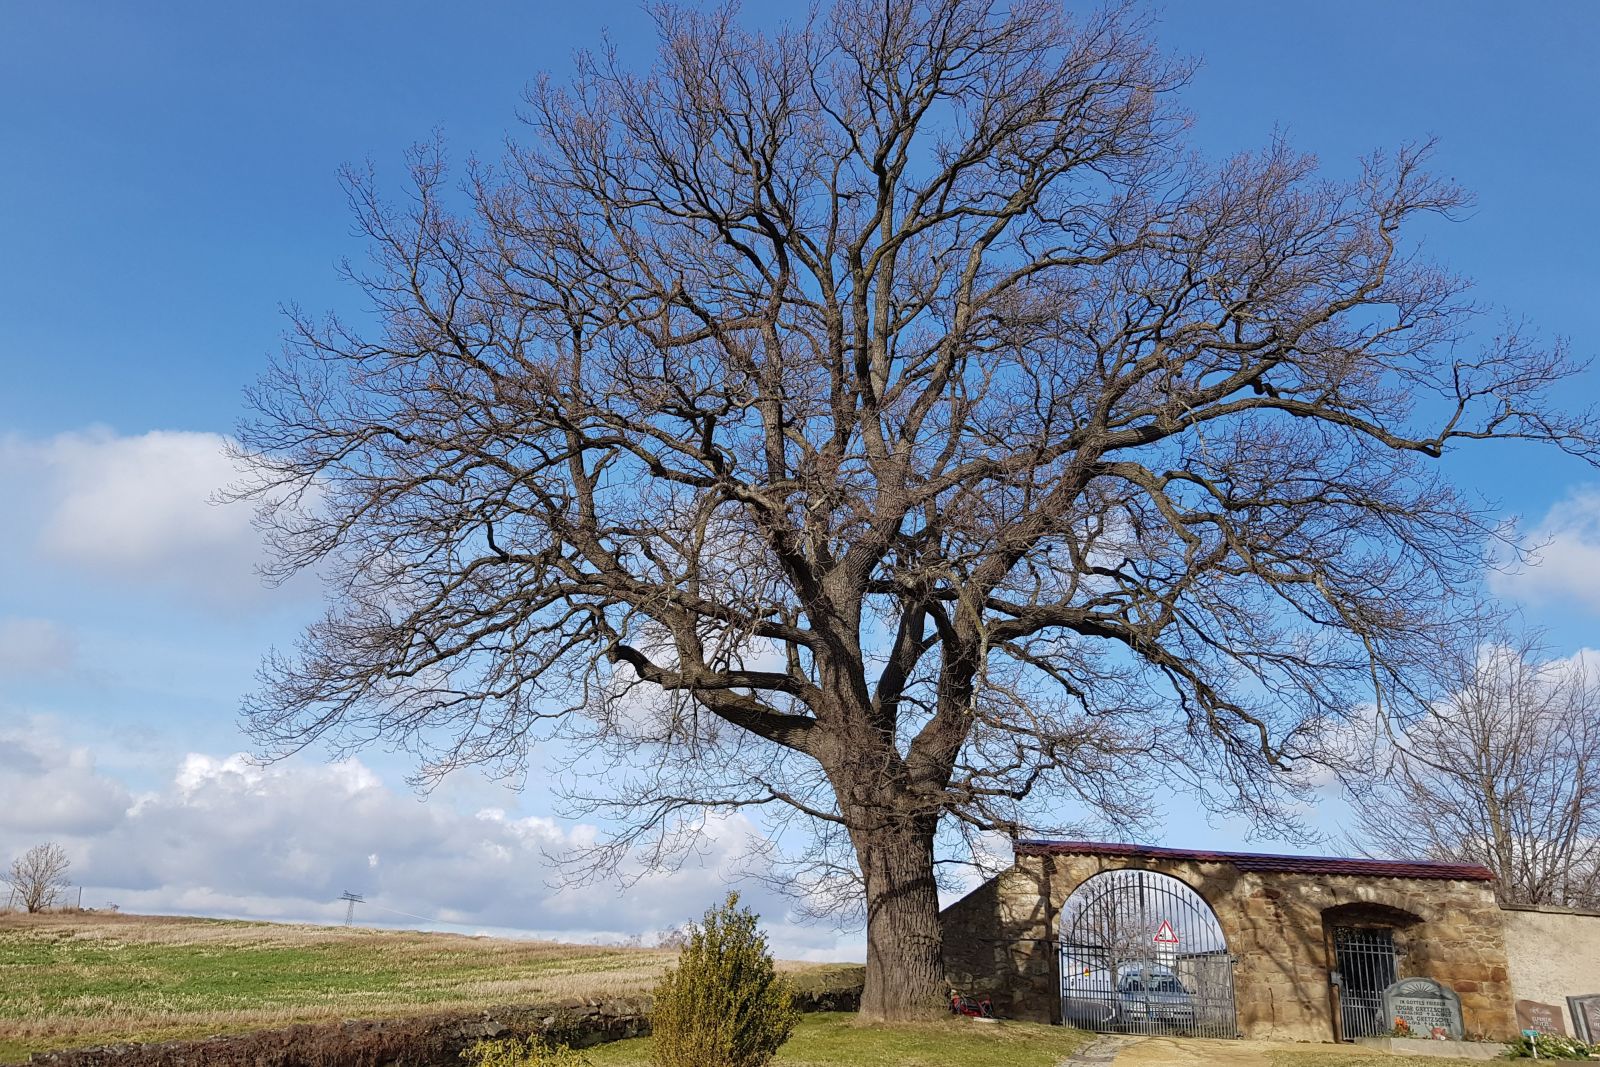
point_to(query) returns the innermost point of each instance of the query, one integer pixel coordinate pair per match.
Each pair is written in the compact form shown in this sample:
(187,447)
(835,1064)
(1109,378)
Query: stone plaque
(1586,1016)
(1425,1005)
(1545,1018)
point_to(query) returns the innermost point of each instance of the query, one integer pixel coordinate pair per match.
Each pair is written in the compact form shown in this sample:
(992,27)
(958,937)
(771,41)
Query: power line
(424,918)
(353,899)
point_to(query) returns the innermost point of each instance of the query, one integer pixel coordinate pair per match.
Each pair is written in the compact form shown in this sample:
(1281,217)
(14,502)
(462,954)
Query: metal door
(1367,966)
(1141,952)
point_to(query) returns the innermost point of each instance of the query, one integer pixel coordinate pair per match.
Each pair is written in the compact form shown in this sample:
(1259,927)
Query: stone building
(1290,947)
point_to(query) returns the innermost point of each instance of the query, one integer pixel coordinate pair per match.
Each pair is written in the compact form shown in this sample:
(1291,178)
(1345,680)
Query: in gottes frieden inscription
(1426,1006)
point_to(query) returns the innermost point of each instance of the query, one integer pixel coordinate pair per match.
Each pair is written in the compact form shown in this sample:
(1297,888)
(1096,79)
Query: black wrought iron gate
(1141,952)
(1367,966)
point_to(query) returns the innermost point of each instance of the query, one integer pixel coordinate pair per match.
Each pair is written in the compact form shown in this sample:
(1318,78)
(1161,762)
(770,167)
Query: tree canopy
(887,418)
(1501,769)
(38,877)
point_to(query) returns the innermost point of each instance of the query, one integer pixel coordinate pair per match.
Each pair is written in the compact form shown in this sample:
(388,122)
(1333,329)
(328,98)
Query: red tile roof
(1254,861)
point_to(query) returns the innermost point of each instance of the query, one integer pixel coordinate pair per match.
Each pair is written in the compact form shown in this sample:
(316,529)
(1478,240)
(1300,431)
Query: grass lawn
(71,980)
(832,1040)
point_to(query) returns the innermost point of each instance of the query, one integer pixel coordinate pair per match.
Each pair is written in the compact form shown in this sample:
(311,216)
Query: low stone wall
(415,1041)
(1553,954)
(1416,1046)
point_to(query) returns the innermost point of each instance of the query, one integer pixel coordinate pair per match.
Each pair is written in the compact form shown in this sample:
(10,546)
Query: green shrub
(723,1005)
(522,1052)
(1551,1047)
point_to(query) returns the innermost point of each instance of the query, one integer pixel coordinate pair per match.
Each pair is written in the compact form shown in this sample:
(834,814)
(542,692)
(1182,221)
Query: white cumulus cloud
(138,509)
(224,835)
(49,788)
(1566,566)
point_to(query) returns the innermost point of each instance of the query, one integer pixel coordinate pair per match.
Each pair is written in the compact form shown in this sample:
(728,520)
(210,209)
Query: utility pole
(352,900)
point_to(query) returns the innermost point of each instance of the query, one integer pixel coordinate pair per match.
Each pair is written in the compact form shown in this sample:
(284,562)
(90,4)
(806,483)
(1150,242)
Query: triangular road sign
(1165,935)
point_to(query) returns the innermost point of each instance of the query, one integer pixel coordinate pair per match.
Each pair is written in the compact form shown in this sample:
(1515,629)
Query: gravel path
(1102,1049)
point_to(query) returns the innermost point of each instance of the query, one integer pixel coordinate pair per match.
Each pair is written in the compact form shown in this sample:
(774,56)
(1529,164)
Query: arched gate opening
(1141,952)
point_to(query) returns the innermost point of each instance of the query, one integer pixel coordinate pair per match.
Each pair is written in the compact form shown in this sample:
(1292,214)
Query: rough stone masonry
(1277,914)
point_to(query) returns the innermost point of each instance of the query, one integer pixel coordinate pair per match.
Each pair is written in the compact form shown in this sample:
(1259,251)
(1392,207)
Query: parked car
(1154,998)
(1142,997)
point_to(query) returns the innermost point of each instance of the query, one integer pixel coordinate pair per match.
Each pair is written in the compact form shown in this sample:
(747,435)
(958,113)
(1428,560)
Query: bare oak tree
(887,420)
(38,877)
(1503,770)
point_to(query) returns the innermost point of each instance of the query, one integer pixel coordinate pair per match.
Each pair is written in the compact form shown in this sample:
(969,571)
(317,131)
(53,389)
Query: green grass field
(830,1040)
(71,980)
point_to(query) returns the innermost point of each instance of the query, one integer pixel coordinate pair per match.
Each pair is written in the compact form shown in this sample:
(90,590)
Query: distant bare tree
(890,421)
(1503,771)
(673,937)
(39,876)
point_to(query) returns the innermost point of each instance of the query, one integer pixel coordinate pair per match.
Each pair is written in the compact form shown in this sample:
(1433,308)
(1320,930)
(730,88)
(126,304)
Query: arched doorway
(1142,952)
(1366,943)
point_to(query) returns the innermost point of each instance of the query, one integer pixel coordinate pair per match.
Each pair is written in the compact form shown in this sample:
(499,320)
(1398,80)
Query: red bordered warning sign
(1166,935)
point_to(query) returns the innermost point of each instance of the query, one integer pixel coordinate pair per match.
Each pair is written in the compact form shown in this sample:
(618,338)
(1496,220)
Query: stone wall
(1553,953)
(1000,939)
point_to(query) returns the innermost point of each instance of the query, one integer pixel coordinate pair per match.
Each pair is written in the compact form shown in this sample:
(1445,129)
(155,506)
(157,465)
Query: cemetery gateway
(1133,938)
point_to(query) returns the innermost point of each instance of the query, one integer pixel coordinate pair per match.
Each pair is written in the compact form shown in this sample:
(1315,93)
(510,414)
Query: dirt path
(1194,1052)
(1103,1049)
(1203,1052)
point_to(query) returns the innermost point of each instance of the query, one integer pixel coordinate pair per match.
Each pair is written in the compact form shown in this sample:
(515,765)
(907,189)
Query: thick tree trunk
(905,962)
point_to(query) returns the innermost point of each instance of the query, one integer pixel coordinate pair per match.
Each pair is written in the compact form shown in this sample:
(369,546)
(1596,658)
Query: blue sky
(168,180)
